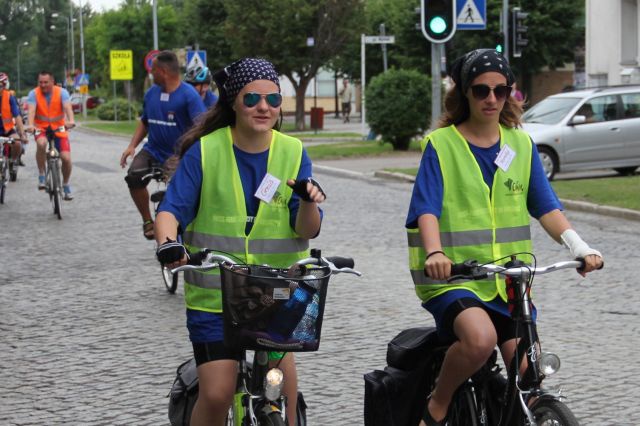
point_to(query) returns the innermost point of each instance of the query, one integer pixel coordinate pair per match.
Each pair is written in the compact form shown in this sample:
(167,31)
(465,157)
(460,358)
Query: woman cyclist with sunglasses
(479,180)
(243,188)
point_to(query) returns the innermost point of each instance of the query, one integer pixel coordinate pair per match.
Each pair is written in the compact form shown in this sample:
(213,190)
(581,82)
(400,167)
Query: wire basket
(273,309)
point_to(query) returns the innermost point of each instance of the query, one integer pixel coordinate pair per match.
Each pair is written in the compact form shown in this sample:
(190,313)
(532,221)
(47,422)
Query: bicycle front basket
(274,309)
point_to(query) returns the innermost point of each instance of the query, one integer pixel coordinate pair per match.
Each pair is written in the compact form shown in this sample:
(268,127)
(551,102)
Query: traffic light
(519,31)
(499,43)
(438,20)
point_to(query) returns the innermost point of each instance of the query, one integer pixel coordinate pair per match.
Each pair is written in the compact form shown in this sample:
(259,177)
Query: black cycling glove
(300,188)
(171,251)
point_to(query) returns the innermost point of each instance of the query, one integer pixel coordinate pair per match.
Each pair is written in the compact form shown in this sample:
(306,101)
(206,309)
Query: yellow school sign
(121,64)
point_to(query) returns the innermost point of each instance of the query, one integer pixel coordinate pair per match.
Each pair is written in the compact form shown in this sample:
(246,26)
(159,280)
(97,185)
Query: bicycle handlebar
(472,270)
(206,260)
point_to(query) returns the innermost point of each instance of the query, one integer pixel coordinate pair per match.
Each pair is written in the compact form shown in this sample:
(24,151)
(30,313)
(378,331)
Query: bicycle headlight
(549,363)
(273,382)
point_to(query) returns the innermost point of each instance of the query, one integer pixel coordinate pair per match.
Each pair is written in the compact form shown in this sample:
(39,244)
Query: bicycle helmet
(197,75)
(4,79)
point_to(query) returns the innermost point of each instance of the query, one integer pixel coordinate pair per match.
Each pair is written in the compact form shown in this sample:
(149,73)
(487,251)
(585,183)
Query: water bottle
(285,320)
(306,329)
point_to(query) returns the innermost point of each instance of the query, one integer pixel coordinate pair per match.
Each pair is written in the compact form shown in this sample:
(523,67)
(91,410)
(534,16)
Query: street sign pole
(365,39)
(436,83)
(505,27)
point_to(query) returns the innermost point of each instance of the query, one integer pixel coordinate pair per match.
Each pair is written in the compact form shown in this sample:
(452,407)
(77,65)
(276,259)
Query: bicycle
(487,397)
(157,173)
(262,311)
(53,168)
(8,166)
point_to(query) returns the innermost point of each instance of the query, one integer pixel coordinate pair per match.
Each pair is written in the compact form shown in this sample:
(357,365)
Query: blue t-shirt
(167,116)
(210,99)
(31,99)
(428,188)
(183,199)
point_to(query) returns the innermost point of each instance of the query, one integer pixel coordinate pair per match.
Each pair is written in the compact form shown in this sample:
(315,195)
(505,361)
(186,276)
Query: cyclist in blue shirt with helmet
(170,108)
(200,78)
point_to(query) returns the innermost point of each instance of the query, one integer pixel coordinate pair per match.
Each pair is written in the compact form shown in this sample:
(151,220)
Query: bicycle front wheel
(272,419)
(56,188)
(551,412)
(170,280)
(462,411)
(3,180)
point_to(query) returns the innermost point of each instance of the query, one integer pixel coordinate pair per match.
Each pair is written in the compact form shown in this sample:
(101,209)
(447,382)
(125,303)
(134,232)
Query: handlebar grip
(196,258)
(460,269)
(341,262)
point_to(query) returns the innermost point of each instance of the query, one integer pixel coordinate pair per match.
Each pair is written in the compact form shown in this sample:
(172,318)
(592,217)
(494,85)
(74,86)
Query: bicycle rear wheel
(170,280)
(3,178)
(551,412)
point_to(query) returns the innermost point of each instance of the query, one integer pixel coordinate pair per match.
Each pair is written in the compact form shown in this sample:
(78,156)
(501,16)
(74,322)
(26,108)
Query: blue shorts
(447,306)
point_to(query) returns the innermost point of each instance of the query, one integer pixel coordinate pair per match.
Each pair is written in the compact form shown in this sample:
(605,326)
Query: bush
(106,110)
(398,106)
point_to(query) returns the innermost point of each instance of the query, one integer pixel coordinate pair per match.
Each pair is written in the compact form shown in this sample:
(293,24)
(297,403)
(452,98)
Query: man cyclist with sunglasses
(200,78)
(169,109)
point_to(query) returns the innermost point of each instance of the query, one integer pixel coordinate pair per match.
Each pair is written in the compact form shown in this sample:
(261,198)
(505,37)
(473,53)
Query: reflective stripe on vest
(5,110)
(476,223)
(50,114)
(221,219)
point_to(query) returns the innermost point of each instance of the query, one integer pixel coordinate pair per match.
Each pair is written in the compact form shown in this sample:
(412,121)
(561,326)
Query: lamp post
(70,41)
(84,98)
(26,43)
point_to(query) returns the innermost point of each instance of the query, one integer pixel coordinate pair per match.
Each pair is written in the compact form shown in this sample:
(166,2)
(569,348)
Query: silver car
(593,128)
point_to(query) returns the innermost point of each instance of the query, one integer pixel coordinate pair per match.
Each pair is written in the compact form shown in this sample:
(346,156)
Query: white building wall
(612,42)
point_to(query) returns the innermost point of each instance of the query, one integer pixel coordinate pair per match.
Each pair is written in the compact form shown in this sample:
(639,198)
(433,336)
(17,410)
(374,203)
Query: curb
(334,171)
(582,206)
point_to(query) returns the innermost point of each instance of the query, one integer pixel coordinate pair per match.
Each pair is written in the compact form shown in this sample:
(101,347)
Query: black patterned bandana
(240,73)
(466,68)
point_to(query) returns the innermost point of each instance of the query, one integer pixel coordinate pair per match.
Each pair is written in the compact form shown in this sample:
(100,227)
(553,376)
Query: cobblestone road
(88,336)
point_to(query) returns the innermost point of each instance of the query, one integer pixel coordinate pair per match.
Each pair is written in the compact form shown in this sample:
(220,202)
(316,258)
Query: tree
(130,28)
(279,30)
(399,106)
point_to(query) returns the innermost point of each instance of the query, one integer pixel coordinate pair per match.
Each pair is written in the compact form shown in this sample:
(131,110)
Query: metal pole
(84,98)
(129,97)
(384,48)
(73,52)
(18,58)
(505,27)
(335,83)
(155,24)
(363,83)
(436,83)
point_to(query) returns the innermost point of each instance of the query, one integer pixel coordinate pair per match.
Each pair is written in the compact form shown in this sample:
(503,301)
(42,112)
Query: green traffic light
(499,48)
(437,25)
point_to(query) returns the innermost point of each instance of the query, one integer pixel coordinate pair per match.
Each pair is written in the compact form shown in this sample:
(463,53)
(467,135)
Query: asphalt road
(90,337)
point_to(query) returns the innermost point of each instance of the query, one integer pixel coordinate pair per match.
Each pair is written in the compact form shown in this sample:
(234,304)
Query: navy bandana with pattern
(240,73)
(465,69)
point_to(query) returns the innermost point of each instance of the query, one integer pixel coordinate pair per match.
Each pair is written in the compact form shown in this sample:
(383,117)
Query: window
(602,108)
(631,105)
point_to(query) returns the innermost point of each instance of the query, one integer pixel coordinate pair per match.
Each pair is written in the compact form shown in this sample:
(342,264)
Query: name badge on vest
(164,97)
(505,157)
(267,188)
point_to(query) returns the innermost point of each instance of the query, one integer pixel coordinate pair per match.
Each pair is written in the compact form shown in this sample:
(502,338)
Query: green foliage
(106,110)
(203,24)
(399,106)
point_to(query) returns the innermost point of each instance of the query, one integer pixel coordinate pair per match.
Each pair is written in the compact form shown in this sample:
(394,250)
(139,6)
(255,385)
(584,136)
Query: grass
(125,128)
(335,151)
(615,191)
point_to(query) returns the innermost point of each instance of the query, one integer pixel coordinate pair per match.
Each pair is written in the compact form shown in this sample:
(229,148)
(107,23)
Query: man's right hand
(129,152)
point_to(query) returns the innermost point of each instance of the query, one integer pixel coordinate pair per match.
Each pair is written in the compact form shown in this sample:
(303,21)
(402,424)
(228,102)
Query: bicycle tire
(3,181)
(273,418)
(551,412)
(56,189)
(13,171)
(170,280)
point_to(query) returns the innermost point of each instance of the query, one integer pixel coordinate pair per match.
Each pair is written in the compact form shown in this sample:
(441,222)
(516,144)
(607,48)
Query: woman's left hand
(308,190)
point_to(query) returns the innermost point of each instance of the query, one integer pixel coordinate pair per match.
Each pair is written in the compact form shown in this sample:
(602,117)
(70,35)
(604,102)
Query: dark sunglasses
(481,91)
(251,99)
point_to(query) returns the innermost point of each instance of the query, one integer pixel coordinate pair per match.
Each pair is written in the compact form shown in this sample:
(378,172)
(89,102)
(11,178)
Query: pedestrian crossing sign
(196,58)
(472,14)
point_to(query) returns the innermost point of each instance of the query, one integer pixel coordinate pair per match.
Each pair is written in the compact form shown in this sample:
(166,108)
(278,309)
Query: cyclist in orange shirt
(49,105)
(11,118)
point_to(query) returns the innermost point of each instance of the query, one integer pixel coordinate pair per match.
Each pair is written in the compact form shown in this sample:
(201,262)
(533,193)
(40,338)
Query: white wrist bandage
(576,245)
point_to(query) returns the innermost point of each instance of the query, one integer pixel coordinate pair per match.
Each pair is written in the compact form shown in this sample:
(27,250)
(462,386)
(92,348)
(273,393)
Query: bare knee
(479,348)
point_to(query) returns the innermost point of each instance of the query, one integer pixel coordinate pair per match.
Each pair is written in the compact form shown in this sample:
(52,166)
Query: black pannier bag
(396,396)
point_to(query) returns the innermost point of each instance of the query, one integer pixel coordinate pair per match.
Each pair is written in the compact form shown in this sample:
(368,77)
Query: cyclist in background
(169,109)
(11,117)
(200,78)
(480,178)
(220,195)
(50,106)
